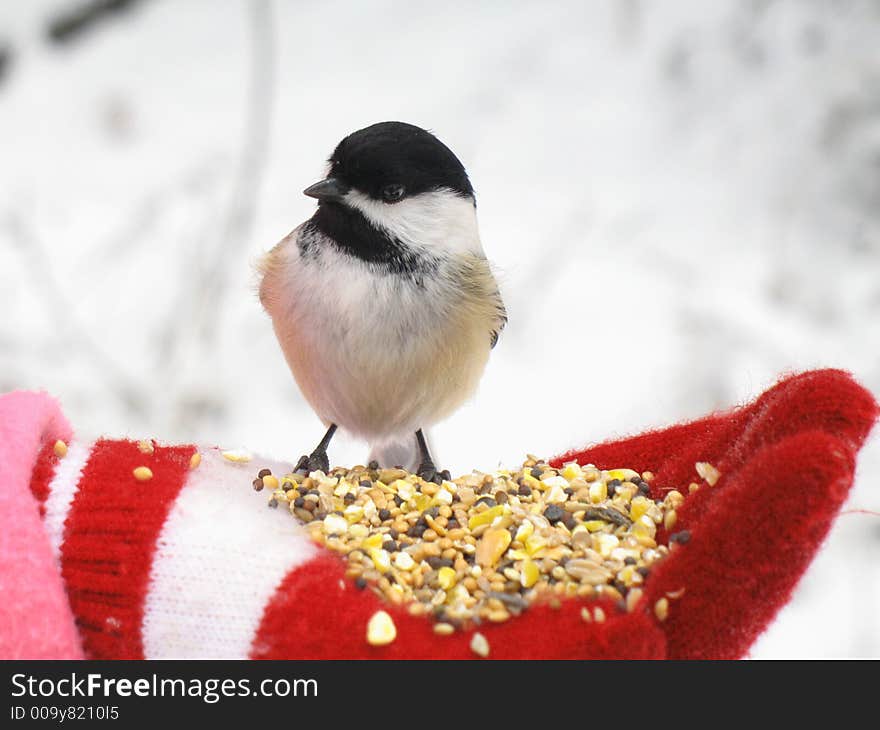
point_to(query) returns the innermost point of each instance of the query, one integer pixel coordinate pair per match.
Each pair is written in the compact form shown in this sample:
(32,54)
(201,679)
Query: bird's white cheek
(439,221)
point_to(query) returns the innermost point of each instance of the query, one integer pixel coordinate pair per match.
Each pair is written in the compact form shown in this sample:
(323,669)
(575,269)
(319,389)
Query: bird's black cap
(382,157)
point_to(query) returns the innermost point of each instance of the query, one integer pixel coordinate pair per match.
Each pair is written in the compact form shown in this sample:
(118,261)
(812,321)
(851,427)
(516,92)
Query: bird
(383,302)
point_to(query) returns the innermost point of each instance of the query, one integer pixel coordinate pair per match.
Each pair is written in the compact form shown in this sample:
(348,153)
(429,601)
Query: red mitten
(191,562)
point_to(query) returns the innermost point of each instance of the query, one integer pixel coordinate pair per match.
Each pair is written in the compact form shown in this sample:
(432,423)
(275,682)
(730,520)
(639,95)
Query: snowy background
(683,200)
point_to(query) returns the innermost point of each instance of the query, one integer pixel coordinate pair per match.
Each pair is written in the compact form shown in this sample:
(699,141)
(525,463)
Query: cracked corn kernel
(381,629)
(270,482)
(707,472)
(195,460)
(492,545)
(145,446)
(60,449)
(480,645)
(529,574)
(335,524)
(446,578)
(142,473)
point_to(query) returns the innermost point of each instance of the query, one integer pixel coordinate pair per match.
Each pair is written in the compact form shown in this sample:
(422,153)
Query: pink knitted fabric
(35,614)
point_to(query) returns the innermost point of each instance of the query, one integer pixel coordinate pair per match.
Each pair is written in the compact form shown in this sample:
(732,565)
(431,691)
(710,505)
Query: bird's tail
(399,452)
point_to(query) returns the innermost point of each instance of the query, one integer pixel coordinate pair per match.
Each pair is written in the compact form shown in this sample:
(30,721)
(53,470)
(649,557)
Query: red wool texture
(786,464)
(109,540)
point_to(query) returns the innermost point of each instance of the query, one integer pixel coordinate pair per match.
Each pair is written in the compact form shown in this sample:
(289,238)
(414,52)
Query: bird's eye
(392,193)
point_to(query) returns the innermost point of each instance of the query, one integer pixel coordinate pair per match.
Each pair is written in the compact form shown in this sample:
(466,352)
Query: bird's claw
(316,461)
(429,473)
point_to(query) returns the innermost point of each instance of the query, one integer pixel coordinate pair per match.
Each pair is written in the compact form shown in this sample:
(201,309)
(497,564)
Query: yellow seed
(492,545)
(381,629)
(270,482)
(487,517)
(373,541)
(498,616)
(524,530)
(480,645)
(60,449)
(381,559)
(195,460)
(638,507)
(693,487)
(529,574)
(443,629)
(625,475)
(535,544)
(661,609)
(670,519)
(142,473)
(239,456)
(707,472)
(145,446)
(446,578)
(647,475)
(599,615)
(586,615)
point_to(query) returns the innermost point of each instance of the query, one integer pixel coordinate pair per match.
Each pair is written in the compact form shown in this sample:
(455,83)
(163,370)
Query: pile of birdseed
(484,547)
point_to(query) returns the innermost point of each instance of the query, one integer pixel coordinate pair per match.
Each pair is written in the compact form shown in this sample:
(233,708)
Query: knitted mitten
(191,562)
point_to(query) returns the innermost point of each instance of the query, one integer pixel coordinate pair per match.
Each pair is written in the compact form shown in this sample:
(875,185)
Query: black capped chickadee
(383,301)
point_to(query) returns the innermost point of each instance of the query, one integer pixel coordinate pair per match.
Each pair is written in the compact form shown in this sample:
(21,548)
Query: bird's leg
(318,459)
(427,470)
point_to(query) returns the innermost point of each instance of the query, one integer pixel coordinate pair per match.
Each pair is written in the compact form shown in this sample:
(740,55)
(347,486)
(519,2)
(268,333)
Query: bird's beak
(329,189)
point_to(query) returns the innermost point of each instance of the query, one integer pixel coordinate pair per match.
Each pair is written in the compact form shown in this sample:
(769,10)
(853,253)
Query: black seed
(433,512)
(264,473)
(299,502)
(391,546)
(258,484)
(643,571)
(366,483)
(384,514)
(644,489)
(620,586)
(569,491)
(630,561)
(636,480)
(360,583)
(445,475)
(680,537)
(621,606)
(569,521)
(554,513)
(349,498)
(452,523)
(273,503)
(488,501)
(416,530)
(524,491)
(393,534)
(373,465)
(397,500)
(501,497)
(536,472)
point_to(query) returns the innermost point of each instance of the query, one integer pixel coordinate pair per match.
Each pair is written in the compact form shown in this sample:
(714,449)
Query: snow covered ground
(683,200)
